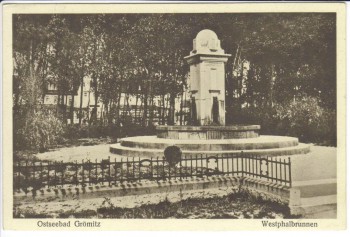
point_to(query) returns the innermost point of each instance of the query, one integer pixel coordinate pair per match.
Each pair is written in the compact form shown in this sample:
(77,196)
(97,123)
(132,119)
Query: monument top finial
(207,41)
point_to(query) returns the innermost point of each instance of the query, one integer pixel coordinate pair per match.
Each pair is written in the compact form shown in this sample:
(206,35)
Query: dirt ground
(205,204)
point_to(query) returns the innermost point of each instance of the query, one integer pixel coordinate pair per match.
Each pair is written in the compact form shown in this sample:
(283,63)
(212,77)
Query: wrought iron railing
(36,175)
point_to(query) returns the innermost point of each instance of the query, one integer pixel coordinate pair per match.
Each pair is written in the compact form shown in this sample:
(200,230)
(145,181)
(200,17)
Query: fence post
(256,166)
(19,174)
(62,176)
(90,168)
(163,167)
(55,167)
(33,168)
(276,169)
(285,171)
(180,170)
(48,174)
(139,169)
(96,177)
(227,164)
(151,167)
(109,171)
(133,169)
(191,165)
(242,164)
(201,165)
(222,163)
(290,172)
(237,163)
(279,159)
(115,171)
(174,171)
(102,166)
(76,173)
(127,168)
(169,171)
(267,168)
(249,158)
(41,173)
(272,163)
(157,168)
(82,173)
(232,164)
(121,170)
(246,164)
(207,164)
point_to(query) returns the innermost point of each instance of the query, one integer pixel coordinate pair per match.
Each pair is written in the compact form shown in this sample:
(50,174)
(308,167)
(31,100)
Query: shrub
(37,131)
(307,120)
(303,118)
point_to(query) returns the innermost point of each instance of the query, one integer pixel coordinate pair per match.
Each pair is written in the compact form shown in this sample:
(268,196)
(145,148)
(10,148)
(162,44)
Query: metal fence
(37,175)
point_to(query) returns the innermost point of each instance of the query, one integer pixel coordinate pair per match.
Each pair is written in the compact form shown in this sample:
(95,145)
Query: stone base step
(262,142)
(318,199)
(327,211)
(142,152)
(316,188)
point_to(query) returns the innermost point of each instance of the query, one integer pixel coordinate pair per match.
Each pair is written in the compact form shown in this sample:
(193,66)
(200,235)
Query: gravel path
(320,163)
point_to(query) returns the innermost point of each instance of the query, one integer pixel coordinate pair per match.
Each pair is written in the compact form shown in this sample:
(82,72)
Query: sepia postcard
(173,116)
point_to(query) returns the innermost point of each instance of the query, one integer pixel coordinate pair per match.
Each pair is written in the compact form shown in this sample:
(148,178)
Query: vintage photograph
(225,115)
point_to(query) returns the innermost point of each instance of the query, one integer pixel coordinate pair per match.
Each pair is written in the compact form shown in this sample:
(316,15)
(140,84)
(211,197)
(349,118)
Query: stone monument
(208,134)
(207,79)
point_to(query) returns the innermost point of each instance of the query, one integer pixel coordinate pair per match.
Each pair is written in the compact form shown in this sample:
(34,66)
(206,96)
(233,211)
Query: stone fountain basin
(208,132)
(152,146)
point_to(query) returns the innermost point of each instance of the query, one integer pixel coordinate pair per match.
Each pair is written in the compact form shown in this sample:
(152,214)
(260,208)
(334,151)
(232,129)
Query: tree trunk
(72,108)
(32,77)
(145,109)
(108,113)
(181,105)
(96,101)
(58,102)
(94,118)
(171,109)
(151,102)
(141,106)
(271,85)
(163,109)
(124,107)
(63,107)
(81,99)
(88,113)
(127,104)
(118,106)
(136,108)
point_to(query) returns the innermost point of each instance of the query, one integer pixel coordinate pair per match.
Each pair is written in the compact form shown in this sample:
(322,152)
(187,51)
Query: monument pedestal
(208,132)
(207,79)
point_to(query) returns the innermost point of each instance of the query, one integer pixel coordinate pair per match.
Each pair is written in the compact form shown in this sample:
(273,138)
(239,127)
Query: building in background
(130,108)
